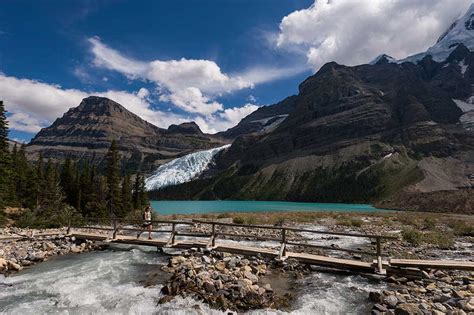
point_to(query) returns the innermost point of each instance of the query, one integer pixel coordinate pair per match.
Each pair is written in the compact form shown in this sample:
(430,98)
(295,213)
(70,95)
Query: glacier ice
(182,170)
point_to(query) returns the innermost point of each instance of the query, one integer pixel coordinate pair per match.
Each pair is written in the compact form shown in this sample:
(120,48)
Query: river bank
(19,249)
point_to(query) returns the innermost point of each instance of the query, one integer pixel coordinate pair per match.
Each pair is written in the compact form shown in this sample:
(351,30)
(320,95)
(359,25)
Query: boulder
(408,309)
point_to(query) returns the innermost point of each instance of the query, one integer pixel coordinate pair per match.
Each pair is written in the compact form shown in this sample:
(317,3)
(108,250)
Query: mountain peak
(185,128)
(459,32)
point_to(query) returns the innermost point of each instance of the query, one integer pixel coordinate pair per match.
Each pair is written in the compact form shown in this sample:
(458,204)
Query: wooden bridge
(209,241)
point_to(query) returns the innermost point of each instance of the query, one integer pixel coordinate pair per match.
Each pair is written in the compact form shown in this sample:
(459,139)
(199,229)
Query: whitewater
(183,169)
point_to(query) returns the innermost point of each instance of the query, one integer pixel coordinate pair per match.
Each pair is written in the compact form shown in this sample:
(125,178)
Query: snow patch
(183,169)
(463,67)
(467,119)
(464,106)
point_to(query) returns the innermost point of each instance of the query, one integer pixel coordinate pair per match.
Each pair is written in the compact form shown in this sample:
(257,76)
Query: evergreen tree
(6,192)
(127,205)
(21,168)
(140,196)
(67,180)
(113,179)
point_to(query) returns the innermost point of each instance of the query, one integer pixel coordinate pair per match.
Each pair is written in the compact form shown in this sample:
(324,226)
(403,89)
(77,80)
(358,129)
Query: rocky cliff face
(360,134)
(87,130)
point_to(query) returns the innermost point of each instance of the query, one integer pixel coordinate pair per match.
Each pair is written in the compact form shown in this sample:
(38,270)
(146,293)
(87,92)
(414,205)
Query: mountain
(263,120)
(395,134)
(461,31)
(87,130)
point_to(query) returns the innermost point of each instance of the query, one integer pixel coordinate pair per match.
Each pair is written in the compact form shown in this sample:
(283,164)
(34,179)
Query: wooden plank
(433,264)
(331,261)
(355,251)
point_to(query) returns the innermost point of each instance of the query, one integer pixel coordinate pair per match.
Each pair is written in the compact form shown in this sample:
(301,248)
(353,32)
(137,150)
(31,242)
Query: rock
(431,287)
(209,287)
(175,260)
(3,264)
(220,265)
(460,294)
(440,307)
(408,309)
(467,305)
(75,249)
(14,266)
(391,301)
(376,297)
(251,276)
(268,287)
(206,259)
(380,307)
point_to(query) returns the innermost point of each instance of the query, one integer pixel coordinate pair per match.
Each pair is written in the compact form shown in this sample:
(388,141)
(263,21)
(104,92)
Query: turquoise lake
(220,206)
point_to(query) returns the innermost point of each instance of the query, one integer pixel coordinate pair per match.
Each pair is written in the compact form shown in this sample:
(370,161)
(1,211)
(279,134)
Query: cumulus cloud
(33,105)
(354,32)
(189,84)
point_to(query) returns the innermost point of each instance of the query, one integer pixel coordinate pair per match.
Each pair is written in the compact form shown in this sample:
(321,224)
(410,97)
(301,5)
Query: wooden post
(68,226)
(114,236)
(282,253)
(213,235)
(170,242)
(379,257)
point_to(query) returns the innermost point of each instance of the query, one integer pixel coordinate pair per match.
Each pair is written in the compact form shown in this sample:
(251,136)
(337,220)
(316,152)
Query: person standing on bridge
(147,220)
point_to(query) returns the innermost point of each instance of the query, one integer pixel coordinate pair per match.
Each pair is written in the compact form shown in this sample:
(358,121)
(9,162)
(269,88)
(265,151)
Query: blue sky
(173,61)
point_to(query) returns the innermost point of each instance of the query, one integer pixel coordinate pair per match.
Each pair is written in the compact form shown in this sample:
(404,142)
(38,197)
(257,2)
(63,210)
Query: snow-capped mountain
(461,31)
(182,170)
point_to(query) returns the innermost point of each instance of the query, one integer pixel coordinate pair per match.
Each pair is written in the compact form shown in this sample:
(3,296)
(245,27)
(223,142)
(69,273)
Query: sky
(212,62)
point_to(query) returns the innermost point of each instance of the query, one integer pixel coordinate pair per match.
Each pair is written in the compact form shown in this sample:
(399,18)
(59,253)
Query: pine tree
(21,167)
(6,192)
(113,179)
(127,205)
(67,180)
(140,196)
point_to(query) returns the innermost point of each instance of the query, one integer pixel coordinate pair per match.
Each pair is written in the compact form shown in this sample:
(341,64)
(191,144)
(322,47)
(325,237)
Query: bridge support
(380,269)
(282,252)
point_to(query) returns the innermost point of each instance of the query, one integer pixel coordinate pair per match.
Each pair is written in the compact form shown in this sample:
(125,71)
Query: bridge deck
(319,260)
(433,264)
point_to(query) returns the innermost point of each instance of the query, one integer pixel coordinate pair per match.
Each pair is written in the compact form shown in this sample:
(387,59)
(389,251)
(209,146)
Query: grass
(414,237)
(351,222)
(461,228)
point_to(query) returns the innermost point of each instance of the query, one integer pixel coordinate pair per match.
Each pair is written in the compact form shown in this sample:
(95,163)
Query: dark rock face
(263,120)
(86,131)
(358,134)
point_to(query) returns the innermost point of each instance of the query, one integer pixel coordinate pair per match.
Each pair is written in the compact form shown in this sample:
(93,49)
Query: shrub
(461,228)
(251,220)
(429,223)
(356,222)
(441,240)
(223,215)
(412,236)
(238,220)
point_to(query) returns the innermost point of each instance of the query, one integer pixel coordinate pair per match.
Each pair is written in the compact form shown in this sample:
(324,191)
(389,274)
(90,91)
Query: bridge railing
(120,224)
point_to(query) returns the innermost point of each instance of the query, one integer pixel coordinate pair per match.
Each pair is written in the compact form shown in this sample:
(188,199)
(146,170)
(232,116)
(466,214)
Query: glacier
(183,169)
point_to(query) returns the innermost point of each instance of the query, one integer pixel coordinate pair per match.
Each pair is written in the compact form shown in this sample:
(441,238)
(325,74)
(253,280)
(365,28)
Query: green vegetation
(50,194)
(461,228)
(351,222)
(412,236)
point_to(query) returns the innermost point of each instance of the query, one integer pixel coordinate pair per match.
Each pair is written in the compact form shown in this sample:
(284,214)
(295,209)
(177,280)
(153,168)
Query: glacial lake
(220,206)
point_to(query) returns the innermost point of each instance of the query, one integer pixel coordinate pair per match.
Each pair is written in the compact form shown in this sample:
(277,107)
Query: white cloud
(187,83)
(190,84)
(354,32)
(33,105)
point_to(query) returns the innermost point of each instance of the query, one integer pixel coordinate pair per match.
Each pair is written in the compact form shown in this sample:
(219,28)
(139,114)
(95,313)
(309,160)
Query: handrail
(214,234)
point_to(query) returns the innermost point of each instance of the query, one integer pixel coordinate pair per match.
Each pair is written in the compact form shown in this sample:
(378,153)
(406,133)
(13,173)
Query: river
(110,282)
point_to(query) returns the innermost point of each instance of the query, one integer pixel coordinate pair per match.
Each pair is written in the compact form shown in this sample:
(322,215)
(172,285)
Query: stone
(268,287)
(408,309)
(3,264)
(14,266)
(391,301)
(251,276)
(380,307)
(376,297)
(439,307)
(175,260)
(466,305)
(206,259)
(209,287)
(431,287)
(220,265)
